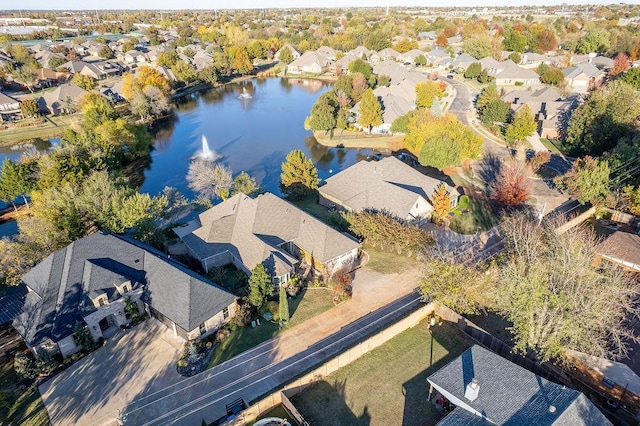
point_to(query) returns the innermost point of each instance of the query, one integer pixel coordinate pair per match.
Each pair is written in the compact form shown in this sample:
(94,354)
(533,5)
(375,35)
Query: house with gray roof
(387,54)
(9,108)
(91,281)
(387,185)
(246,231)
(310,62)
(508,73)
(622,249)
(489,390)
(295,54)
(583,77)
(410,56)
(550,108)
(63,100)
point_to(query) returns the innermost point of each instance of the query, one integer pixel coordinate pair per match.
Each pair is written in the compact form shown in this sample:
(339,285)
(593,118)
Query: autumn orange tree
(512,186)
(441,201)
(145,77)
(621,63)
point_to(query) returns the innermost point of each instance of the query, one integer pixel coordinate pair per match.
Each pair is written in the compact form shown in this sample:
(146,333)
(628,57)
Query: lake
(252,135)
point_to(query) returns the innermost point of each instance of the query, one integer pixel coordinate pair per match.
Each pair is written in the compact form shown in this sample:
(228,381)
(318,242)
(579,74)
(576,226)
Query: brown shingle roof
(623,246)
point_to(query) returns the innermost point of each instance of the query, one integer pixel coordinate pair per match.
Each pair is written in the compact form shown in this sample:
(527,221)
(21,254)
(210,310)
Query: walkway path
(536,143)
(378,300)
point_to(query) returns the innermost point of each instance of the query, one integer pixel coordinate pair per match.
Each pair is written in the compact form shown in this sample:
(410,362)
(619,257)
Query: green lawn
(481,217)
(551,146)
(277,411)
(307,304)
(18,405)
(49,129)
(387,262)
(388,385)
(310,205)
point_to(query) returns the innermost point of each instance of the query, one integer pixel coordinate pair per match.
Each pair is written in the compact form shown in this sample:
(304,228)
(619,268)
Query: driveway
(91,392)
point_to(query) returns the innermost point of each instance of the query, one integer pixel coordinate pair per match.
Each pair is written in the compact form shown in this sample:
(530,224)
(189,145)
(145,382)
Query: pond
(252,135)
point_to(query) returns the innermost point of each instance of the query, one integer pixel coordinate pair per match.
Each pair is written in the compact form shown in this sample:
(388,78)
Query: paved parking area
(140,360)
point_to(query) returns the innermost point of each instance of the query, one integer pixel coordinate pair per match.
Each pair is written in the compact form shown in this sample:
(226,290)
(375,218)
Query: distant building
(9,108)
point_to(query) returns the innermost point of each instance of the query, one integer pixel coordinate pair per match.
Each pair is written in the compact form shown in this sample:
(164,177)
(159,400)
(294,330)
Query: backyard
(51,127)
(387,262)
(481,216)
(307,304)
(387,384)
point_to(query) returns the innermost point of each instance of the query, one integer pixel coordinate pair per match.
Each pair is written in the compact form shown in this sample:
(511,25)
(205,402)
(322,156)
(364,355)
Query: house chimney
(472,390)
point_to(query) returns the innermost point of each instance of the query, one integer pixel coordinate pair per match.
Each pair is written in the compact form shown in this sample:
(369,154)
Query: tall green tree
(283,307)
(299,176)
(602,120)
(243,183)
(15,181)
(369,110)
(514,41)
(632,77)
(523,125)
(260,285)
(323,113)
(588,180)
(286,55)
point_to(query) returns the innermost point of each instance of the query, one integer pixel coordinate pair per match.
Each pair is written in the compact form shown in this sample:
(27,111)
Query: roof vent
(552,409)
(472,390)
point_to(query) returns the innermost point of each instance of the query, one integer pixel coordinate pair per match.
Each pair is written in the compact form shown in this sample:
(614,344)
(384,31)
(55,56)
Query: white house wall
(421,208)
(213,323)
(68,346)
(345,261)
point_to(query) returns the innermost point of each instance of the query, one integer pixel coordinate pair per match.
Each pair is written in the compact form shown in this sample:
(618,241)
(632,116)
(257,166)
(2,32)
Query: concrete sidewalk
(272,363)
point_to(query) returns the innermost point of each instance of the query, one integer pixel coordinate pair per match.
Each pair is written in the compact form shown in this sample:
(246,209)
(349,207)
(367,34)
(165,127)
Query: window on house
(125,288)
(225,313)
(203,329)
(276,280)
(101,301)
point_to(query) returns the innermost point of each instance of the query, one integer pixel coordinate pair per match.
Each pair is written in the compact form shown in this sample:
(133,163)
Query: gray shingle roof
(461,417)
(388,184)
(11,303)
(621,245)
(61,284)
(252,229)
(511,395)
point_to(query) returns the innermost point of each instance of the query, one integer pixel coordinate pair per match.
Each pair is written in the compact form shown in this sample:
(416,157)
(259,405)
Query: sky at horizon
(272,4)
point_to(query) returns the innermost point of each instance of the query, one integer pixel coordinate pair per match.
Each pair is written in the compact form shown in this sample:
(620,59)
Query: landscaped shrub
(195,357)
(244,313)
(463,202)
(222,334)
(519,83)
(25,366)
(381,229)
(274,308)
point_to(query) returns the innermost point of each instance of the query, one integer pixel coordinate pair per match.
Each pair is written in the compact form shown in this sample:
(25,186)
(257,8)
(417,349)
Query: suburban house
(386,54)
(91,280)
(508,73)
(410,56)
(309,62)
(9,108)
(582,77)
(246,231)
(342,64)
(489,390)
(550,108)
(63,100)
(386,185)
(294,52)
(621,248)
(360,51)
(328,52)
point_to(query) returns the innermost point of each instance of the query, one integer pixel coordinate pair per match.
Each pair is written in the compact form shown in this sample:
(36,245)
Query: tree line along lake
(252,135)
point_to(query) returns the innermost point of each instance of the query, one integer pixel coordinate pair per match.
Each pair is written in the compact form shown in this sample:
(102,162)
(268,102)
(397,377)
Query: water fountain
(245,95)
(207,153)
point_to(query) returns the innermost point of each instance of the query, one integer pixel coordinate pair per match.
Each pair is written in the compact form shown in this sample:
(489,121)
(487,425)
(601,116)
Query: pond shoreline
(360,140)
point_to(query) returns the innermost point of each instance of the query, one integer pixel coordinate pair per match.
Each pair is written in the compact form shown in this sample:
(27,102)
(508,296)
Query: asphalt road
(463,102)
(253,374)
